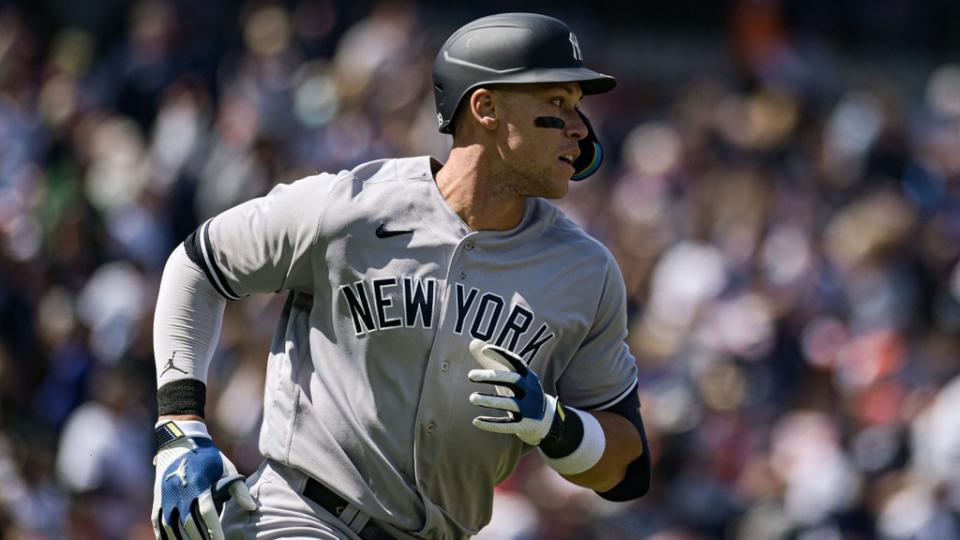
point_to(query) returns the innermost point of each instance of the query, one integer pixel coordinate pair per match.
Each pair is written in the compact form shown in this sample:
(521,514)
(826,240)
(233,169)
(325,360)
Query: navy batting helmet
(516,48)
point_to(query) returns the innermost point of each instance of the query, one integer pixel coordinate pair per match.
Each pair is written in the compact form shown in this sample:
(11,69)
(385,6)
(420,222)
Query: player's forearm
(186,326)
(623,446)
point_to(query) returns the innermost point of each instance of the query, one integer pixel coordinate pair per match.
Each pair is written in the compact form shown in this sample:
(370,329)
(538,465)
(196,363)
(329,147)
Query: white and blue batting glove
(530,410)
(571,441)
(193,477)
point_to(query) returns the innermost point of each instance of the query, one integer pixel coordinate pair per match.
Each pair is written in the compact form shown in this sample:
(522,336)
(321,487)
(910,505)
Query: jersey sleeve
(602,371)
(265,244)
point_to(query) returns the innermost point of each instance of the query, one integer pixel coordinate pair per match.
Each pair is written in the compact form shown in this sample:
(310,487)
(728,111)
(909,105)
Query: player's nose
(575,127)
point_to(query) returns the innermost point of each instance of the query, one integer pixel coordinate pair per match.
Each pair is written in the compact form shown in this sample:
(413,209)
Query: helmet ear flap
(591,153)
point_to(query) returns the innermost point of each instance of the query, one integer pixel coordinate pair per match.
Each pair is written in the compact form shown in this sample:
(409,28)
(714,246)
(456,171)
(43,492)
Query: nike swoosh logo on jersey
(383,233)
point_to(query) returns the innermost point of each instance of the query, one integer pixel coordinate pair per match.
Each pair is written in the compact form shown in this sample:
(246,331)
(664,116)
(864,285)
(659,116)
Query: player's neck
(469,185)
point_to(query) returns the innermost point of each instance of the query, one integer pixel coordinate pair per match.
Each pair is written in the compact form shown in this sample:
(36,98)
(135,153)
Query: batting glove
(193,478)
(530,410)
(571,441)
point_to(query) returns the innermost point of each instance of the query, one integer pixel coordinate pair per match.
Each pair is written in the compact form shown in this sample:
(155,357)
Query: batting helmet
(516,48)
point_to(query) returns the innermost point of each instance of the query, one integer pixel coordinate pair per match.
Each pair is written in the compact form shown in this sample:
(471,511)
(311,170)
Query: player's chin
(559,183)
(557,189)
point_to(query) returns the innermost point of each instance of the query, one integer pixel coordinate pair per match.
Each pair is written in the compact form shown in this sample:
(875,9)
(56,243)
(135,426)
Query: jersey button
(444,365)
(462,273)
(468,245)
(431,427)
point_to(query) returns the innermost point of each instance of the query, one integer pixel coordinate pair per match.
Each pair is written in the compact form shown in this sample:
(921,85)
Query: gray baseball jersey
(367,387)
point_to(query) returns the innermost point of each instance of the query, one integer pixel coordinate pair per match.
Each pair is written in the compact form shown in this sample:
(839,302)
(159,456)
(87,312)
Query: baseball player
(441,320)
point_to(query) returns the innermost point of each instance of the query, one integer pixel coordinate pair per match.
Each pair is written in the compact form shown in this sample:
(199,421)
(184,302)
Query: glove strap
(575,441)
(565,435)
(168,432)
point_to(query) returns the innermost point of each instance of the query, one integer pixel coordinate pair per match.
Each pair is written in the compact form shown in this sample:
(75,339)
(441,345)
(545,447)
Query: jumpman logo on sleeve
(170,365)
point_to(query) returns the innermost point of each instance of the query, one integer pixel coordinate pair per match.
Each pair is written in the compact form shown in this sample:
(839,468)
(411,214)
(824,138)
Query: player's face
(538,160)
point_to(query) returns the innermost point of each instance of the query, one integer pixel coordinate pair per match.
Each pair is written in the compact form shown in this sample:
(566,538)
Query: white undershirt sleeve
(187,321)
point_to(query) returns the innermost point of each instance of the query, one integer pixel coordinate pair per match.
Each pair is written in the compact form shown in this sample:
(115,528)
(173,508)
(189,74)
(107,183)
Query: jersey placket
(438,395)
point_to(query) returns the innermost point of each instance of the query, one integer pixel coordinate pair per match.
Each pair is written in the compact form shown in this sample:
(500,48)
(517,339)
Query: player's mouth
(568,158)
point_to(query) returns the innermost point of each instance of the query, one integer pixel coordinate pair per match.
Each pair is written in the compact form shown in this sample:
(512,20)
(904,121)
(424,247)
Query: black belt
(336,504)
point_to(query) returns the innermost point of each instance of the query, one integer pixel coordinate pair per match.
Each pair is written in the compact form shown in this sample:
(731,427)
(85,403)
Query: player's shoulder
(348,182)
(392,169)
(377,170)
(562,229)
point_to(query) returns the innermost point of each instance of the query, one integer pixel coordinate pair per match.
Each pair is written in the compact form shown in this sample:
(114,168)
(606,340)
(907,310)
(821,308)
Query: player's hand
(530,410)
(193,477)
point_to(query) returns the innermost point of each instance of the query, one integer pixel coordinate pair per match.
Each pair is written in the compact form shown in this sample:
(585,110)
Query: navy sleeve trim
(193,252)
(612,401)
(200,251)
(636,482)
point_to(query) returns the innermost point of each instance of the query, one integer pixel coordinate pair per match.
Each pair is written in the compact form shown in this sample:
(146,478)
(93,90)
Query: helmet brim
(591,82)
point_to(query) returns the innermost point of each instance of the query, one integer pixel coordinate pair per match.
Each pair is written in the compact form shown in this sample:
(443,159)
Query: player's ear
(483,108)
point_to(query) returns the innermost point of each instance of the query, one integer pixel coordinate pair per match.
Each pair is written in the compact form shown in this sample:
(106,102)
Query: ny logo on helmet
(577,55)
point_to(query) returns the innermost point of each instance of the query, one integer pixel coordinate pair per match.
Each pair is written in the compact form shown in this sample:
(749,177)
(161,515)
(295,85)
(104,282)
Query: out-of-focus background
(781,190)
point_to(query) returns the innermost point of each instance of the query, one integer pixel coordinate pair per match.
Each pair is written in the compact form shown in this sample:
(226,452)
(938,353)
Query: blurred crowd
(789,236)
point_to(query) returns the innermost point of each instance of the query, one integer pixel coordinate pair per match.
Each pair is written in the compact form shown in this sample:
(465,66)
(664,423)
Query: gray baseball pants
(283,512)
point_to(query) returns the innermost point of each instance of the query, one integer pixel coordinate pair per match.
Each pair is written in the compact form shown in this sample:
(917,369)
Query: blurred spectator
(108,470)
